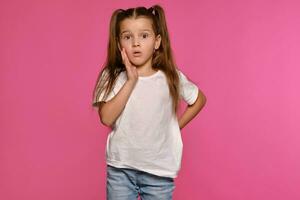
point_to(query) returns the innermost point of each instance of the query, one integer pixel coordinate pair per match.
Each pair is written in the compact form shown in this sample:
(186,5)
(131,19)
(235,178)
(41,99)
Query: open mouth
(137,53)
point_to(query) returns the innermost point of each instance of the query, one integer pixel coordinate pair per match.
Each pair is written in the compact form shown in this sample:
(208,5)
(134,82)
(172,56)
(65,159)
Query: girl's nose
(136,42)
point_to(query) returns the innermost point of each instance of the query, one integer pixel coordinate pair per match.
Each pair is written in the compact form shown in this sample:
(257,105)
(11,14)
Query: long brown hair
(162,57)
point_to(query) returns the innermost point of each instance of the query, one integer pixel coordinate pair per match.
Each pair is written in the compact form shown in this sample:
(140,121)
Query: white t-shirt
(146,136)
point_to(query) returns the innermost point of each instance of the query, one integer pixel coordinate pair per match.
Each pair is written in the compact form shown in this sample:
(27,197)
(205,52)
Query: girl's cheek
(125,44)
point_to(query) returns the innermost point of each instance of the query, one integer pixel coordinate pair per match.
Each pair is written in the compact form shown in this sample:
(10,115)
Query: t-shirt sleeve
(188,89)
(100,95)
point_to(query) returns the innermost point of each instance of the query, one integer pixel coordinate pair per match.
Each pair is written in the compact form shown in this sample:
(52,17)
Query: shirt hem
(118,164)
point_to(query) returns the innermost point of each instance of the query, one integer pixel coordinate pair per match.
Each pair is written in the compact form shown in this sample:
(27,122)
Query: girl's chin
(137,64)
(137,61)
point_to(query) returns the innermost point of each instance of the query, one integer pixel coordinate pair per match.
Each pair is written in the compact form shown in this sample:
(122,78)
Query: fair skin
(137,35)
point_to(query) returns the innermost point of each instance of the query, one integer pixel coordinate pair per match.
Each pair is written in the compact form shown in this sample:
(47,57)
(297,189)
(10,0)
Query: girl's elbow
(105,122)
(201,101)
(202,98)
(104,119)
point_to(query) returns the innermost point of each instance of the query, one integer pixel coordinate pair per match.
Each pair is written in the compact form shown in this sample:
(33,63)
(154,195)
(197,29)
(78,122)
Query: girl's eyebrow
(146,30)
(124,32)
(140,30)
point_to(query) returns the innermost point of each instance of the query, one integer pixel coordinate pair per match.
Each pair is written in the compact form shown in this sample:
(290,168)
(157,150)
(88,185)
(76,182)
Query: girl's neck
(146,69)
(143,71)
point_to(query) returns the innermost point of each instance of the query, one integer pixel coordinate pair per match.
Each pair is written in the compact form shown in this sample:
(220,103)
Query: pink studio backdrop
(244,56)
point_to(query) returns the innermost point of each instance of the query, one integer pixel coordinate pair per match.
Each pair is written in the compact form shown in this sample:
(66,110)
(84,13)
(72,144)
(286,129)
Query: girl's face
(138,39)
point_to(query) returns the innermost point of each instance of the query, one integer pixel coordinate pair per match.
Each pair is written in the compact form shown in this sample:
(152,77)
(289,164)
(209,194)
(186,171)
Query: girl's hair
(162,57)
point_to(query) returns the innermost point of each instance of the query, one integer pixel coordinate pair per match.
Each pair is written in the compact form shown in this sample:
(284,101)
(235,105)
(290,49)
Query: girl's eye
(126,37)
(145,35)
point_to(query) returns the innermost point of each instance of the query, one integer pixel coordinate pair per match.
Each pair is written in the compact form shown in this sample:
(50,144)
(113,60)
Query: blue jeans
(127,184)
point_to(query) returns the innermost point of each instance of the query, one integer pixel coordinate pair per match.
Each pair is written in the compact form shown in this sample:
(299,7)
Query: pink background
(244,56)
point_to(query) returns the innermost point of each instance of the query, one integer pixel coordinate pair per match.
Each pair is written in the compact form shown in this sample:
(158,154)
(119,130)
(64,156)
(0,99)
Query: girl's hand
(131,70)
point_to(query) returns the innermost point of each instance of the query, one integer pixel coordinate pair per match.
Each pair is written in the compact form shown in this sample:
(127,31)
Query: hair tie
(152,10)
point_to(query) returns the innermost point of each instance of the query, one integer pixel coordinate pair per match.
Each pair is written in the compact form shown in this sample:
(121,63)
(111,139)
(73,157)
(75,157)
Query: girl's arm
(110,111)
(192,110)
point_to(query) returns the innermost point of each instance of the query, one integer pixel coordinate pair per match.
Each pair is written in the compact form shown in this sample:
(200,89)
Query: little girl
(137,93)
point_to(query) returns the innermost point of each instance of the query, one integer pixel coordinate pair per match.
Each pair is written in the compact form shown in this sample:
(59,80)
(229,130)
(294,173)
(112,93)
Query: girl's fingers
(127,62)
(125,56)
(131,70)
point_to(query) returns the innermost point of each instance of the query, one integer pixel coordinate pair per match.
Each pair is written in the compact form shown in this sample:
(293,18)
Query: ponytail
(107,76)
(164,56)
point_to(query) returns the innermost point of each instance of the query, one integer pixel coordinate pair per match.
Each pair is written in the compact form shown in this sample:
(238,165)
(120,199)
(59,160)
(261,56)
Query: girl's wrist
(131,82)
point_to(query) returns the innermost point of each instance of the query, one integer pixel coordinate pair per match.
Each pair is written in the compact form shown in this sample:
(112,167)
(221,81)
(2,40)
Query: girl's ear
(157,41)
